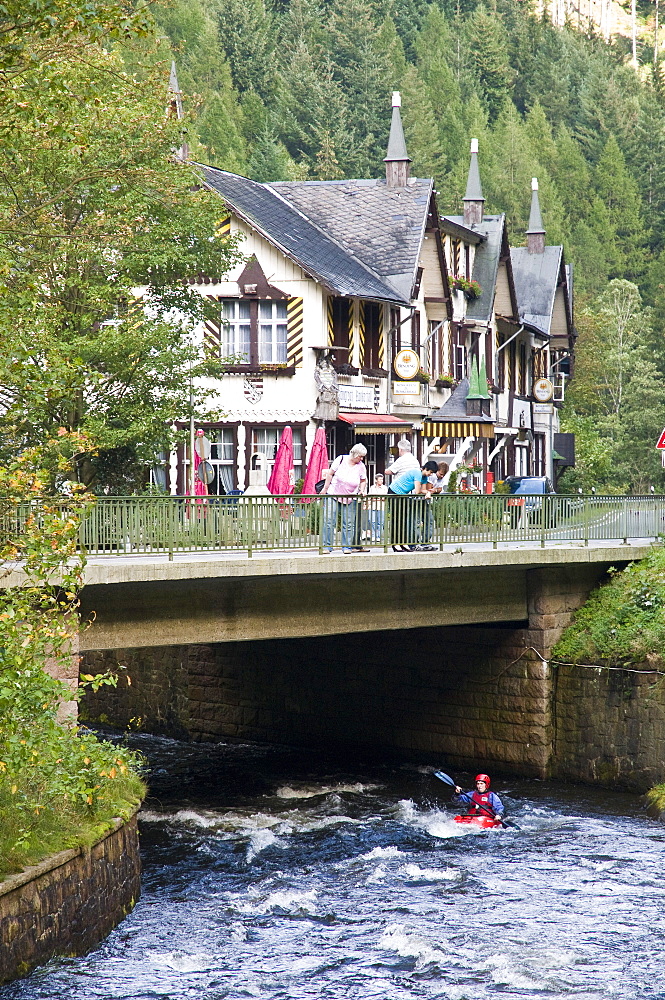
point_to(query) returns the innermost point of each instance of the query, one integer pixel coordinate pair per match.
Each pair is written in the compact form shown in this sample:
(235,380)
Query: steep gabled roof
(298,236)
(485,263)
(536,276)
(381,226)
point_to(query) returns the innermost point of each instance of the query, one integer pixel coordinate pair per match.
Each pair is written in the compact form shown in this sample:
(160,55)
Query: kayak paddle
(442,776)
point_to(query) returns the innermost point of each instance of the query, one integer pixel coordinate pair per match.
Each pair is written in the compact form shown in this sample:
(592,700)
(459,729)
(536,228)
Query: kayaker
(482,802)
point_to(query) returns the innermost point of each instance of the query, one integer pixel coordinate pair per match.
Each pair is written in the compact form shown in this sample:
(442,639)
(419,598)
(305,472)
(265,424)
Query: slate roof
(382,227)
(284,224)
(485,264)
(454,408)
(536,276)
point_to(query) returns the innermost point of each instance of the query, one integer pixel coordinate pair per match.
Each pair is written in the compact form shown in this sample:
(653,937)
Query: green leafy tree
(59,787)
(101,227)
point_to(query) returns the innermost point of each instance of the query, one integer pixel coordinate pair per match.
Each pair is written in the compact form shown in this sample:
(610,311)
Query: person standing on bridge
(405,513)
(482,802)
(344,480)
(405,460)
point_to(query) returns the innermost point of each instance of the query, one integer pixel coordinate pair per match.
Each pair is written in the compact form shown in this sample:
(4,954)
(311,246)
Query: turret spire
(535,234)
(397,159)
(474,203)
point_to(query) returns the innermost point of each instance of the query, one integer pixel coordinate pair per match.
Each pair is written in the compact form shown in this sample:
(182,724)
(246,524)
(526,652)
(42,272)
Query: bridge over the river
(231,625)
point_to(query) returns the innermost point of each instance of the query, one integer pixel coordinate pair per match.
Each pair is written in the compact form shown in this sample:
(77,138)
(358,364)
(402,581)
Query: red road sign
(661,440)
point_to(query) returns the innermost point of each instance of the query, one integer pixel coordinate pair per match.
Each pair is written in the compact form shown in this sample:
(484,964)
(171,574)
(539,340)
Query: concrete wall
(67,904)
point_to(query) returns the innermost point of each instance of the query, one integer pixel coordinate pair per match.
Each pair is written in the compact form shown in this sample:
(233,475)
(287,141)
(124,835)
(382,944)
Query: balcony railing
(122,526)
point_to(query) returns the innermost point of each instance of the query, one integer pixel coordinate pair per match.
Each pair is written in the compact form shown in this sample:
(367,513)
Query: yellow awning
(457,429)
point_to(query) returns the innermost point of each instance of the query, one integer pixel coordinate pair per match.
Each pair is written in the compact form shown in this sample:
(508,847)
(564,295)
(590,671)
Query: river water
(279,873)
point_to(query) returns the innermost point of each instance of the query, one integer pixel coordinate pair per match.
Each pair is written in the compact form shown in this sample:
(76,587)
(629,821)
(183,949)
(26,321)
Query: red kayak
(484,822)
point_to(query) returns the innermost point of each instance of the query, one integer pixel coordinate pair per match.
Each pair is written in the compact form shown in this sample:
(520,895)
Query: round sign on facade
(206,473)
(543,390)
(202,446)
(406,363)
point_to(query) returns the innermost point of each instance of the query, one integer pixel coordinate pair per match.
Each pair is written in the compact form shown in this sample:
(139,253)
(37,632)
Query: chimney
(474,203)
(535,234)
(397,159)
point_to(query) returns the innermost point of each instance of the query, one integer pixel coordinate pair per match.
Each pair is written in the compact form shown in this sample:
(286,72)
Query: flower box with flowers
(469,286)
(422,376)
(445,381)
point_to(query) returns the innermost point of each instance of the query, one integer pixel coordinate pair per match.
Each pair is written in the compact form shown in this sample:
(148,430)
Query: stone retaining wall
(67,904)
(610,727)
(472,695)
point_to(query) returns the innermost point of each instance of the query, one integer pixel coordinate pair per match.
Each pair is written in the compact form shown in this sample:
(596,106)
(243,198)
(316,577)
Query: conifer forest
(301,90)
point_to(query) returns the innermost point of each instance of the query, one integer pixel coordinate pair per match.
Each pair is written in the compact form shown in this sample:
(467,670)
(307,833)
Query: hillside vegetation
(301,90)
(623,622)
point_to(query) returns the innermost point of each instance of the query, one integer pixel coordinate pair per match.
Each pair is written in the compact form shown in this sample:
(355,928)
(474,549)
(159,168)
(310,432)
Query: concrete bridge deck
(142,601)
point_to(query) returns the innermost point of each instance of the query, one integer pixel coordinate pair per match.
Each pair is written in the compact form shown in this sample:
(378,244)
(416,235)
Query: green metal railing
(118,526)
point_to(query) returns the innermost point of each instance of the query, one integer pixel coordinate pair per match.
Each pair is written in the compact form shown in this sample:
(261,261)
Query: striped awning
(376,423)
(458,428)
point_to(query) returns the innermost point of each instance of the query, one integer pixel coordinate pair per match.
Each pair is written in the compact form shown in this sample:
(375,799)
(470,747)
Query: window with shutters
(253,335)
(372,353)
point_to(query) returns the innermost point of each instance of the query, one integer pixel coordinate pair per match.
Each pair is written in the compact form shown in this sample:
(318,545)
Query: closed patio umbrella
(282,477)
(201,446)
(318,461)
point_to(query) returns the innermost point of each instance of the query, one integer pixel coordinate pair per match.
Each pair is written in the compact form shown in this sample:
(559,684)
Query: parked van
(533,488)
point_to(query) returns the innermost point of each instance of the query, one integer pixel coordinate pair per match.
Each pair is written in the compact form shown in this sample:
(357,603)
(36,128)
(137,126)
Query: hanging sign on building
(543,390)
(406,388)
(356,397)
(406,364)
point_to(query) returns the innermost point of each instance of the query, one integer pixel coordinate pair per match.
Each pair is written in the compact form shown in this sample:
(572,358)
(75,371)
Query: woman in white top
(345,479)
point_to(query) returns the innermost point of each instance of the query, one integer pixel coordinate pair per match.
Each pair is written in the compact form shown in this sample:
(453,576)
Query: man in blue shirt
(404,513)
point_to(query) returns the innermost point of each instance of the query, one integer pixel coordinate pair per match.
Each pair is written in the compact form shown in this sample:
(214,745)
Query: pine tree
(571,175)
(443,92)
(618,191)
(420,131)
(363,70)
(247,32)
(486,43)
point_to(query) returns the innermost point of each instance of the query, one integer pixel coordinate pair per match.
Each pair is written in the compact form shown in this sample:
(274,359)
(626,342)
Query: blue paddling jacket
(481,804)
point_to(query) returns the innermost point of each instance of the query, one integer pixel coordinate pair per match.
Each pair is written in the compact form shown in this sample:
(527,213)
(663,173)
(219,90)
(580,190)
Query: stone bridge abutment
(473,695)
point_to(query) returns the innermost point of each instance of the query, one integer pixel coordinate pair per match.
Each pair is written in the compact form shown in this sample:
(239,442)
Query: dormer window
(254,332)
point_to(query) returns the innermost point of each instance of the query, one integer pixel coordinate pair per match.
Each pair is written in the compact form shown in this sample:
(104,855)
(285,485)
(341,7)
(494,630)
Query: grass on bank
(623,621)
(64,793)
(60,786)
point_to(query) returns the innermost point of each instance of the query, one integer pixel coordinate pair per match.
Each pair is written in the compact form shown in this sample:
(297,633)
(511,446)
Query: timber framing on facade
(339,277)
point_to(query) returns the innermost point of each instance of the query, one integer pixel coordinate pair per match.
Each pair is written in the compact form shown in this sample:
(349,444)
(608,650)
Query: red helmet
(483,777)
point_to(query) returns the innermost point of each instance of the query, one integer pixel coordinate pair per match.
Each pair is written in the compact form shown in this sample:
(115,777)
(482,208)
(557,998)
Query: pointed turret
(397,159)
(474,382)
(535,234)
(175,108)
(474,203)
(482,380)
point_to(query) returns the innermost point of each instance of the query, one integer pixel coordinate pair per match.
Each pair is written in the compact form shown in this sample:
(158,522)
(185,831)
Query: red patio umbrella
(318,461)
(282,477)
